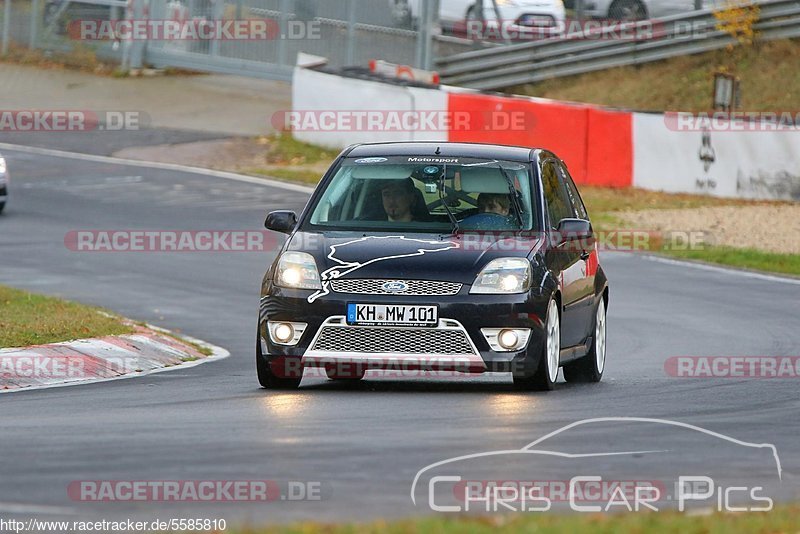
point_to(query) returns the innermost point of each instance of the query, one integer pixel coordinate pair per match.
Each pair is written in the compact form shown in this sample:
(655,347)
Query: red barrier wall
(595,143)
(609,148)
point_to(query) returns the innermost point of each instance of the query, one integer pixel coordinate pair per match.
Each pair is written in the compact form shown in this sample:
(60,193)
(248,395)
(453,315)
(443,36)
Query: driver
(398,198)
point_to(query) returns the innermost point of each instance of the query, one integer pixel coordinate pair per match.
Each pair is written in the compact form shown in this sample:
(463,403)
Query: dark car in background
(436,256)
(60,14)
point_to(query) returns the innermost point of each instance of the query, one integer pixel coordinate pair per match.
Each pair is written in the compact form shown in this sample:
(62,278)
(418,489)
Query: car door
(563,260)
(663,8)
(588,255)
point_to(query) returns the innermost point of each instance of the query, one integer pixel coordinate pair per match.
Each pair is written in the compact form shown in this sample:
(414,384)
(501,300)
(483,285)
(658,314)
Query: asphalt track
(363,443)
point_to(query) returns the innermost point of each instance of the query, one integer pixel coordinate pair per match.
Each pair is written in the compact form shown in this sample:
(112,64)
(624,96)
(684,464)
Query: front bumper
(456,343)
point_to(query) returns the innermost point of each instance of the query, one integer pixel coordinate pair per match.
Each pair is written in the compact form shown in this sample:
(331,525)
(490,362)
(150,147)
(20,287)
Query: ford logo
(395,287)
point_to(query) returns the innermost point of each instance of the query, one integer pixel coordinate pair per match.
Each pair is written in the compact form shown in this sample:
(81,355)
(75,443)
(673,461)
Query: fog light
(283,332)
(508,339)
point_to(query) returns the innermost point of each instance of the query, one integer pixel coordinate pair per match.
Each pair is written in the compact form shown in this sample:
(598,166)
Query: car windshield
(426,194)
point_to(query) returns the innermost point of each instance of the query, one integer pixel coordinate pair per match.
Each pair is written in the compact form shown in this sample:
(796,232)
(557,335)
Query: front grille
(392,340)
(418,288)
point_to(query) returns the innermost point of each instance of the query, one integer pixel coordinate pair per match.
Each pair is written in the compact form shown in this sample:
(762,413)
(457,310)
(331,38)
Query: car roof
(445,149)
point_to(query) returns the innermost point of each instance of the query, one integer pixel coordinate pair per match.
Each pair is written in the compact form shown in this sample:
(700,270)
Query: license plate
(392,315)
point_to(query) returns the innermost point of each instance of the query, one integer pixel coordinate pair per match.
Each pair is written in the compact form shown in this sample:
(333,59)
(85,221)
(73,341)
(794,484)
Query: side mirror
(571,230)
(281,221)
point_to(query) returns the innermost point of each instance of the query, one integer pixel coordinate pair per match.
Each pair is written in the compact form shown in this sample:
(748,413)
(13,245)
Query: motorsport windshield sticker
(417,159)
(426,160)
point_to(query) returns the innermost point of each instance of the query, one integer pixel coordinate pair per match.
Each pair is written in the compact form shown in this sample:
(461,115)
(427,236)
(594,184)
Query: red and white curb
(148,350)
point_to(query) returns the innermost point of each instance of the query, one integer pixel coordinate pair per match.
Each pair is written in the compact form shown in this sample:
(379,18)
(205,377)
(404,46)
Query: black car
(436,256)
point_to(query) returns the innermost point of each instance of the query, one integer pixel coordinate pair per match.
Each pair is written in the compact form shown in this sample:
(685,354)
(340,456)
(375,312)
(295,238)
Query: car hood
(409,257)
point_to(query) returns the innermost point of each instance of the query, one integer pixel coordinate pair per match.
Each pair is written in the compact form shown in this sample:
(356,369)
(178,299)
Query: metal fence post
(422,33)
(430,34)
(137,45)
(284,18)
(217,12)
(6,25)
(35,9)
(352,13)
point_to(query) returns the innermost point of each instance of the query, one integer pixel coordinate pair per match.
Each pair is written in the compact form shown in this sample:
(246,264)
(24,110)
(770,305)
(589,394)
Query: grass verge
(32,319)
(283,149)
(291,160)
(82,58)
(604,204)
(743,258)
(781,519)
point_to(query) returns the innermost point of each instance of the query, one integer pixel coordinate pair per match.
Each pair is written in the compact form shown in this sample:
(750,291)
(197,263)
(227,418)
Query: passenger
(498,204)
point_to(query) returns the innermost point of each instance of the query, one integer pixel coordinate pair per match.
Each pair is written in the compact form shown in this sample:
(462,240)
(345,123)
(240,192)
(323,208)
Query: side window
(558,203)
(574,196)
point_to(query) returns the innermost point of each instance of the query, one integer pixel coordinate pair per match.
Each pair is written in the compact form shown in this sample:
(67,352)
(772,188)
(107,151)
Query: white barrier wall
(662,153)
(314,91)
(747,164)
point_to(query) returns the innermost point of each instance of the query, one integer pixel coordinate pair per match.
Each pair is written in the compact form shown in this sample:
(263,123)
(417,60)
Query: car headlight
(297,270)
(504,276)
(2,165)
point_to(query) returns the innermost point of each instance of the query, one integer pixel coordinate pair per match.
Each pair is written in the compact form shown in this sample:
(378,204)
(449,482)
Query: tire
(2,206)
(266,377)
(545,376)
(590,368)
(627,10)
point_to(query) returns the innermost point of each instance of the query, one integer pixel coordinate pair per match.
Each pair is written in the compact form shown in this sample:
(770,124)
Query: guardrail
(691,33)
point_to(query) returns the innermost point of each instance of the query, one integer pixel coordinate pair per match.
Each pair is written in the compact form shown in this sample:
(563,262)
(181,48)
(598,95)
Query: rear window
(416,193)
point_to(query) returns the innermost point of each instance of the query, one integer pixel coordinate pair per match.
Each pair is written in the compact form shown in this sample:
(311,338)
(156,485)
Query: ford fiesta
(436,256)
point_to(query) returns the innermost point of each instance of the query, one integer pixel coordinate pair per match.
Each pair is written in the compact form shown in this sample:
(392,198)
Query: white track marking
(156,165)
(217,353)
(725,270)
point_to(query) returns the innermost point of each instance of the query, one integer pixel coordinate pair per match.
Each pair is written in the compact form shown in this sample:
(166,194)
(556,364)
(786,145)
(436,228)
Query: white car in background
(539,14)
(3,183)
(631,10)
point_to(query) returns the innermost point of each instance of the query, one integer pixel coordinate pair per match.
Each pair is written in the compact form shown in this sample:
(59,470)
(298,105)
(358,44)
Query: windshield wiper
(515,201)
(450,215)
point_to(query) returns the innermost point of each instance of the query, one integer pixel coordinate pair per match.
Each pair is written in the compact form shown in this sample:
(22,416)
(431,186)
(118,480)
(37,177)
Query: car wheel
(627,10)
(2,205)
(590,368)
(266,376)
(546,374)
(354,374)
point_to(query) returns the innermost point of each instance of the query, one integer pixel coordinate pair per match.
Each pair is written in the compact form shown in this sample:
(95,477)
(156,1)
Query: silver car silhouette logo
(395,287)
